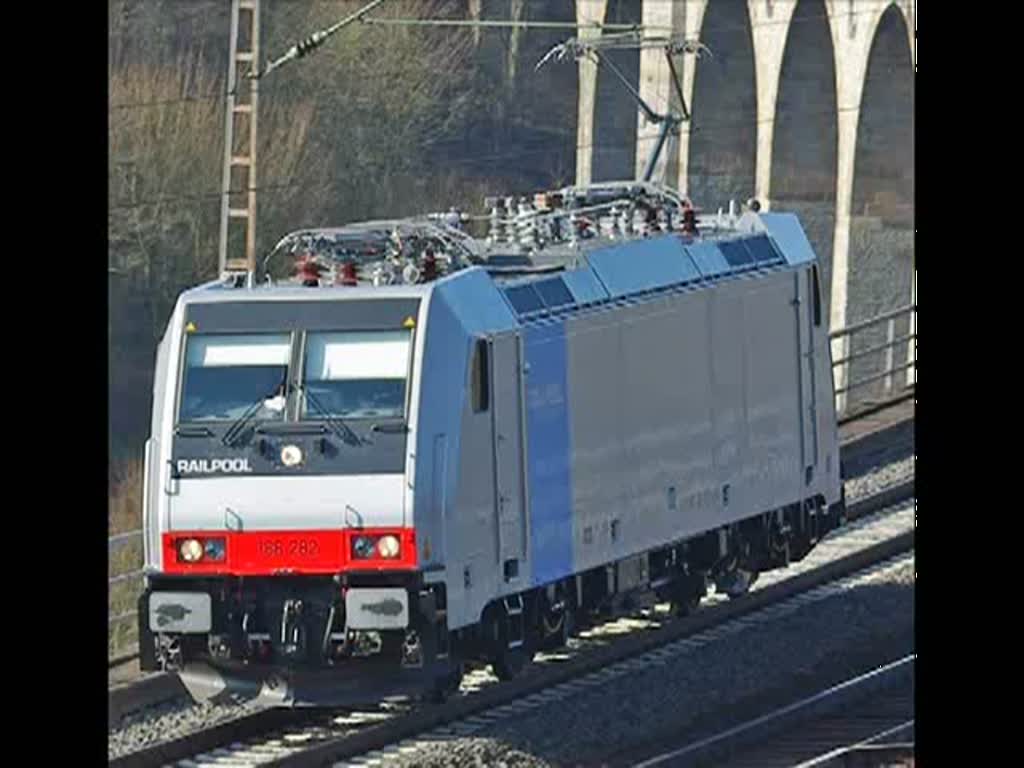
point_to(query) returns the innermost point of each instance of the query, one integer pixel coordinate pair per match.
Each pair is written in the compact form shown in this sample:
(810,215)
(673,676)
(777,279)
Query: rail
(122,541)
(838,698)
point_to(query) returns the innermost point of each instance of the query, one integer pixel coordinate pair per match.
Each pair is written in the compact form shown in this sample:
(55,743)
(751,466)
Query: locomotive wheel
(738,583)
(558,632)
(448,685)
(685,606)
(505,661)
(687,593)
(510,662)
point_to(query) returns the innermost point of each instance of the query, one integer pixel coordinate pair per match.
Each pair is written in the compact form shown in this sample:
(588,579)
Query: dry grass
(124,514)
(125,496)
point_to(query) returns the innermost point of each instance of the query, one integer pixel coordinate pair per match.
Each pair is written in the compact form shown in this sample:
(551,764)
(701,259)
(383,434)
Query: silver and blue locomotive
(434,449)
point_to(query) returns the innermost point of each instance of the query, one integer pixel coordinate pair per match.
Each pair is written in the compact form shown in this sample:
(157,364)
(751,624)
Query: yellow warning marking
(190,328)
(409,322)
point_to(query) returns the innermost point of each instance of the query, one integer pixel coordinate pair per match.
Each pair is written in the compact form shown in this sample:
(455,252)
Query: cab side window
(480,384)
(816,294)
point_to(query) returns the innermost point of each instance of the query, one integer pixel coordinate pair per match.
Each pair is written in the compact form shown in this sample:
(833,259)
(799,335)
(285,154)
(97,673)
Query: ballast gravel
(879,478)
(174,719)
(169,720)
(629,712)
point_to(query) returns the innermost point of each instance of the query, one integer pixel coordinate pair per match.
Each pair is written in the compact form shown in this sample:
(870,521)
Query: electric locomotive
(432,448)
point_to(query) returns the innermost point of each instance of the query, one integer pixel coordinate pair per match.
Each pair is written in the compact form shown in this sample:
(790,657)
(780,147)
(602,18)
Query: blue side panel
(763,251)
(553,293)
(584,287)
(523,298)
(709,260)
(736,253)
(642,265)
(547,425)
(785,229)
(477,302)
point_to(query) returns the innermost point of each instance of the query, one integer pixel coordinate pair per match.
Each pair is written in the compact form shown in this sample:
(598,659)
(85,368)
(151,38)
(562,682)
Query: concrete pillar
(656,82)
(841,242)
(475,10)
(769,34)
(587,12)
(693,19)
(852,42)
(909,8)
(512,60)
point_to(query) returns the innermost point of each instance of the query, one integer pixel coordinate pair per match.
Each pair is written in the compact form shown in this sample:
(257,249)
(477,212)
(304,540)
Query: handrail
(842,356)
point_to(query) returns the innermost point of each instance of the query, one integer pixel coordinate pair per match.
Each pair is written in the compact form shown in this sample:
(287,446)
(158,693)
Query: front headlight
(190,550)
(214,549)
(362,547)
(388,546)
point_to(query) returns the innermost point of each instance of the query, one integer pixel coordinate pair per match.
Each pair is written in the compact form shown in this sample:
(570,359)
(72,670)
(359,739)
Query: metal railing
(842,357)
(840,338)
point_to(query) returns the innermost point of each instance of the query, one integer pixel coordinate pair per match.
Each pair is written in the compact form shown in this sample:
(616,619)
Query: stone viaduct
(806,105)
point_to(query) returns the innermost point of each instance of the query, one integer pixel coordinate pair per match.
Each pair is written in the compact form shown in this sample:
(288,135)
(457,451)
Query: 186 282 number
(290,548)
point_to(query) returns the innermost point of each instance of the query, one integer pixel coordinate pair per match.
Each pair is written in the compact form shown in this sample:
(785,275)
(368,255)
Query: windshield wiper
(339,427)
(235,430)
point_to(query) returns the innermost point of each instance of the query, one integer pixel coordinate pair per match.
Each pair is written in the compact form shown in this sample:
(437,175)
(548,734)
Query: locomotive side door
(509,484)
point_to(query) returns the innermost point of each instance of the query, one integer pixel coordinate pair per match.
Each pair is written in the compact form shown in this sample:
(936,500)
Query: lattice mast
(240,141)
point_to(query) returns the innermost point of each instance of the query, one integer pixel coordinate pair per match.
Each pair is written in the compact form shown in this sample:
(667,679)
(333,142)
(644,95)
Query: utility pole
(240,122)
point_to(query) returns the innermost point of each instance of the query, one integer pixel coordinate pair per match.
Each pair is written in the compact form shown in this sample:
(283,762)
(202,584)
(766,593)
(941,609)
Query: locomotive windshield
(226,373)
(356,374)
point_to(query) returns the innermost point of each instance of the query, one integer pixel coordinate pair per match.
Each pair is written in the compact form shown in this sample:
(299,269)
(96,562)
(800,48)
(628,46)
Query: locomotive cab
(355,488)
(279,526)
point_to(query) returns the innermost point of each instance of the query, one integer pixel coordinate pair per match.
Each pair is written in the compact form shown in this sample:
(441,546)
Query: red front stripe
(276,553)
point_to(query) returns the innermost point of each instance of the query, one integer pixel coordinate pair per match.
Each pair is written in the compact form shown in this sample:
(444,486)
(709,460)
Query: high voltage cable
(264,89)
(267,89)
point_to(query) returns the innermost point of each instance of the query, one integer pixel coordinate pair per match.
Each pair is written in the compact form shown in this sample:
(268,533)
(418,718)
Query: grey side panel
(641,427)
(727,351)
(510,500)
(594,381)
(684,415)
(772,470)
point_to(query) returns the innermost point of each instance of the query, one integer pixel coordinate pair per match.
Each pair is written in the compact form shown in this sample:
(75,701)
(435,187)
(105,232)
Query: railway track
(864,721)
(881,530)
